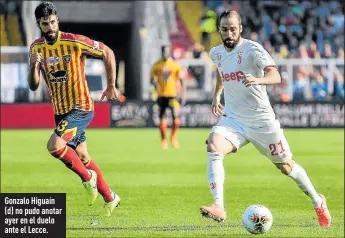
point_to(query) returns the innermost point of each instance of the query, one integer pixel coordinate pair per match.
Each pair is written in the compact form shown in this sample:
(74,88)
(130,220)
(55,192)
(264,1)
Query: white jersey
(249,105)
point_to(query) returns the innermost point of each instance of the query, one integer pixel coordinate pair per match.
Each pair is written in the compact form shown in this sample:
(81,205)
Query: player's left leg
(162,102)
(111,199)
(271,142)
(174,106)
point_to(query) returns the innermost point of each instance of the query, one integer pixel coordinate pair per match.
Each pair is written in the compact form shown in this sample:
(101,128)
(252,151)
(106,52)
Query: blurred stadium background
(306,38)
(161,190)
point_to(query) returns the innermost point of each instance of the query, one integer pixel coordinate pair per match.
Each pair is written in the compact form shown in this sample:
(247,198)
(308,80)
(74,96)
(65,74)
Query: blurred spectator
(254,37)
(319,89)
(302,52)
(312,50)
(327,52)
(208,25)
(197,51)
(283,52)
(338,86)
(299,87)
(338,19)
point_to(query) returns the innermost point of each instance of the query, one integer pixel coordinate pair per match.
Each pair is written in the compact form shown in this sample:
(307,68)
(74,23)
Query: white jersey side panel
(249,105)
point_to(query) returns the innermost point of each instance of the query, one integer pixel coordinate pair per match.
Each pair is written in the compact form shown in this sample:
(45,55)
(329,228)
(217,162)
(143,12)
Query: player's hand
(217,107)
(35,59)
(110,93)
(249,80)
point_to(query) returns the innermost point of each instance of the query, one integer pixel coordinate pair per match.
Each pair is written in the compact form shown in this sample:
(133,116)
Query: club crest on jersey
(239,57)
(67,58)
(52,61)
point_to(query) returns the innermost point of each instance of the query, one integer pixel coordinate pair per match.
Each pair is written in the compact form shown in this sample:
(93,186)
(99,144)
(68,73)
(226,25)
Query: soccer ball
(257,219)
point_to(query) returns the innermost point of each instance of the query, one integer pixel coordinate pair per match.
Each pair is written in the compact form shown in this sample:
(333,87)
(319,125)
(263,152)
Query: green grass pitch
(161,191)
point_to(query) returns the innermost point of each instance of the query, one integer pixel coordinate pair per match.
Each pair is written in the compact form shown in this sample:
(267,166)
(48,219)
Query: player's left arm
(263,61)
(109,61)
(272,76)
(100,50)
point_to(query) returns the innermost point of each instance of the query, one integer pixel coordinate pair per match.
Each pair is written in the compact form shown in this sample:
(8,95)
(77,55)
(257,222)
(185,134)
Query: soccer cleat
(214,212)
(91,187)
(174,142)
(164,144)
(110,206)
(322,212)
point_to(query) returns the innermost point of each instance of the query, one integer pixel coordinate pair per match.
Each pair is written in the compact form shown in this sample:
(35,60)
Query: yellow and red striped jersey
(63,65)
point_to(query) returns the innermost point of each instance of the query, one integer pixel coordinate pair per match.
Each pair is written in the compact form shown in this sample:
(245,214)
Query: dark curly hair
(45,9)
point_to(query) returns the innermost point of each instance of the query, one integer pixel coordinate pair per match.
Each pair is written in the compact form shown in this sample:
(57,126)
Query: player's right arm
(34,72)
(217,107)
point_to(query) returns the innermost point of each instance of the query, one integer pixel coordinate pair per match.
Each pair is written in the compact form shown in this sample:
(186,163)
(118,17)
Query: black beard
(230,45)
(51,39)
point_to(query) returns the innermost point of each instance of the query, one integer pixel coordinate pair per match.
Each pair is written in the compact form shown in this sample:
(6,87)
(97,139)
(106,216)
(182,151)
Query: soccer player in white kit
(245,68)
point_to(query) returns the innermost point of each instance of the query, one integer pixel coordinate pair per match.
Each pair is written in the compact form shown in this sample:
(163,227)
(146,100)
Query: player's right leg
(62,145)
(162,102)
(58,148)
(222,140)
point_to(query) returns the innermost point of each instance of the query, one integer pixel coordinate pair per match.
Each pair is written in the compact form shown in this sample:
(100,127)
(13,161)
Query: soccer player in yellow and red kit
(166,77)
(60,58)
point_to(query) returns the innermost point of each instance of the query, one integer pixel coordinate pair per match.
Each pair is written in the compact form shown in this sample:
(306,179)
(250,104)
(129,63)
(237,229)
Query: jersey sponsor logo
(67,58)
(52,61)
(58,76)
(226,77)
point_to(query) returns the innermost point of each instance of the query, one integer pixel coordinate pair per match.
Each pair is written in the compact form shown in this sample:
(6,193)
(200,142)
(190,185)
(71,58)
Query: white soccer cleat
(91,187)
(110,206)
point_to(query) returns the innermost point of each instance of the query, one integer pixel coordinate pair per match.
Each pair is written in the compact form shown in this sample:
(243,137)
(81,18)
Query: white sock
(215,172)
(303,182)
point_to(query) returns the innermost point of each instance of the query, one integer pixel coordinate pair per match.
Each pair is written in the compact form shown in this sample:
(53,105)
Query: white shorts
(269,140)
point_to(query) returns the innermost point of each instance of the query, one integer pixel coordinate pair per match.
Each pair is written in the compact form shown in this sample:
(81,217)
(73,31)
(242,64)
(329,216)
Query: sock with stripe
(70,158)
(102,185)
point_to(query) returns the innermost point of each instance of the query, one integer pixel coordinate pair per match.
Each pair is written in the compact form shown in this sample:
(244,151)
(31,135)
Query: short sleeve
(213,56)
(90,47)
(261,58)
